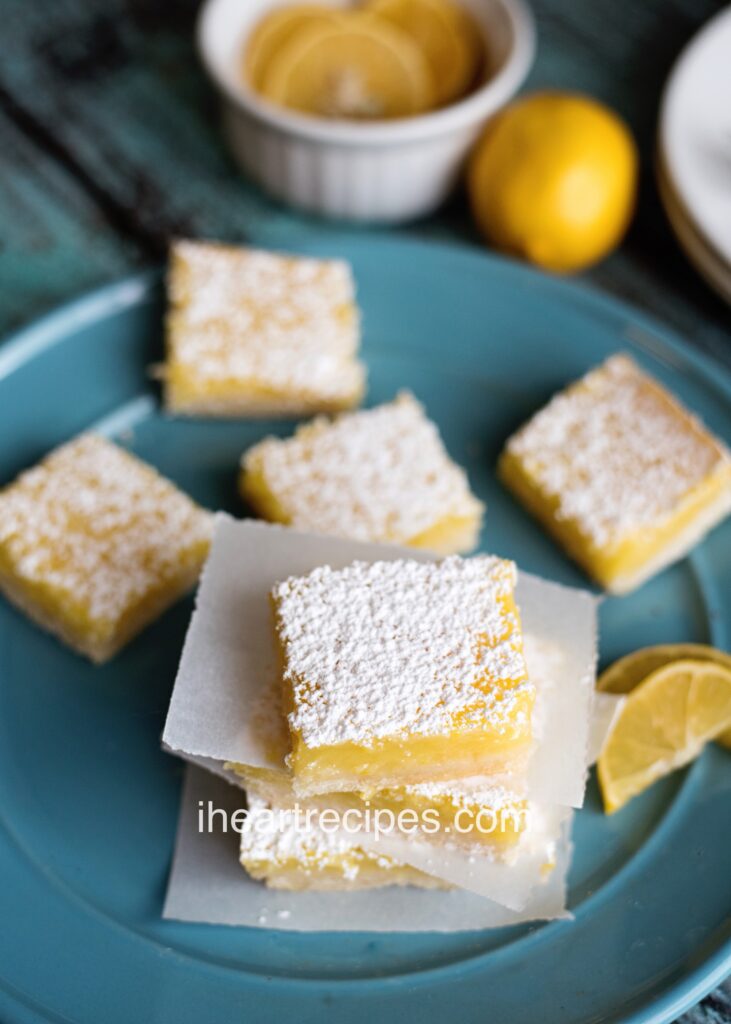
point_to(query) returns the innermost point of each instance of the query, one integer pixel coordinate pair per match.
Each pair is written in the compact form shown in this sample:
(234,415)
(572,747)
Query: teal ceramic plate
(88,802)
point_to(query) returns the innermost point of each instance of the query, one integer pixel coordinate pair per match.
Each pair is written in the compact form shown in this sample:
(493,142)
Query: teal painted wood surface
(110,91)
(55,239)
(109,146)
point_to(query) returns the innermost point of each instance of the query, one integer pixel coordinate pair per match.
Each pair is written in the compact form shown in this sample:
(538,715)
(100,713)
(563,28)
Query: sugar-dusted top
(245,314)
(616,451)
(100,527)
(392,649)
(470,793)
(380,474)
(278,836)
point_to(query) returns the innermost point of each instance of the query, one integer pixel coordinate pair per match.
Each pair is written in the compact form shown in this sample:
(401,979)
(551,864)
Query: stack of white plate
(694,152)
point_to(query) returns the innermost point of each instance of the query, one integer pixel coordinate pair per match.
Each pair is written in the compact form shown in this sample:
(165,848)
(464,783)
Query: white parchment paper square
(229,661)
(207,885)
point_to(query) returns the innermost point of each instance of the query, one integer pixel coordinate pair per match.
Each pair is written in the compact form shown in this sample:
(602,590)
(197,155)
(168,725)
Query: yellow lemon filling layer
(461,754)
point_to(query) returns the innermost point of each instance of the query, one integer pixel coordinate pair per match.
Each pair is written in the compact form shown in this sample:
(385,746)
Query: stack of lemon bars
(404,687)
(387,717)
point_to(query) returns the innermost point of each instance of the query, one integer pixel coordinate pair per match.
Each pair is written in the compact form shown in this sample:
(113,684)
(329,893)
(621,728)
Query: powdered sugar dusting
(379,475)
(99,527)
(392,649)
(616,451)
(260,318)
(469,793)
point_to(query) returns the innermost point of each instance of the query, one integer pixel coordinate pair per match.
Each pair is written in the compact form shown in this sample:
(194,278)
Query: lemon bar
(403,672)
(94,544)
(252,333)
(490,814)
(620,473)
(382,474)
(286,851)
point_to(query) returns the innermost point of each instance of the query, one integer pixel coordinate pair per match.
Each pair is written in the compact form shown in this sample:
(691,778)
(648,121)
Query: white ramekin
(383,172)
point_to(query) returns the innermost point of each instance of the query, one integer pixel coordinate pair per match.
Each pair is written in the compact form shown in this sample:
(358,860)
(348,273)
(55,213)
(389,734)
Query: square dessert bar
(473,812)
(94,544)
(253,333)
(286,851)
(403,672)
(620,473)
(378,475)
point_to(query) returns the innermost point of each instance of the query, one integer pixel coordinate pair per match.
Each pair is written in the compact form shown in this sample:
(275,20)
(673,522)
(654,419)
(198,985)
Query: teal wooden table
(109,146)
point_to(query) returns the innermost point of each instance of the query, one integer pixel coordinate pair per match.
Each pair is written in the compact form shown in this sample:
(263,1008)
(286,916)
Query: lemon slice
(623,675)
(273,31)
(664,725)
(446,35)
(360,67)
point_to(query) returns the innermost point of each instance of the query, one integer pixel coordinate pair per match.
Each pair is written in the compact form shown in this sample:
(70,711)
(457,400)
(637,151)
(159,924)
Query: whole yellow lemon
(554,180)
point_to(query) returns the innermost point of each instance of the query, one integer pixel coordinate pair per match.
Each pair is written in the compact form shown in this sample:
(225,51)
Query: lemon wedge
(665,723)
(623,675)
(359,68)
(446,35)
(273,31)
